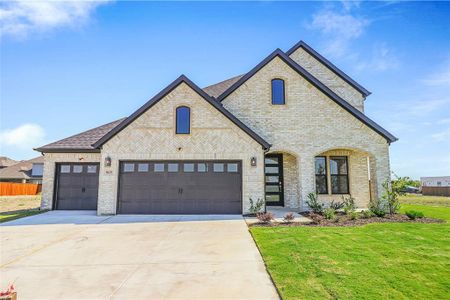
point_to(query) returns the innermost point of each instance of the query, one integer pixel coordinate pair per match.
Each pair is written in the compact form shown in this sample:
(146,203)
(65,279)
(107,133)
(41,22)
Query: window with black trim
(183,120)
(321,175)
(339,175)
(278,94)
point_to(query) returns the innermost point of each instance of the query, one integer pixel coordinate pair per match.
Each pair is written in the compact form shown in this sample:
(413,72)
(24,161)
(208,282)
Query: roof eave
(66,150)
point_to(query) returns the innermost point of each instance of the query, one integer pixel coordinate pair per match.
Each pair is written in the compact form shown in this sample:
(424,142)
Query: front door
(273,168)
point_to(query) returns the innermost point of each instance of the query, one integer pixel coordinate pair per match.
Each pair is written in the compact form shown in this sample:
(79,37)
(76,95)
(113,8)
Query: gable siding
(310,123)
(152,136)
(329,78)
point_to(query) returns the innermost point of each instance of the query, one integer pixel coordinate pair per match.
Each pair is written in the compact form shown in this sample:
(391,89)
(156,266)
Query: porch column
(306,178)
(381,171)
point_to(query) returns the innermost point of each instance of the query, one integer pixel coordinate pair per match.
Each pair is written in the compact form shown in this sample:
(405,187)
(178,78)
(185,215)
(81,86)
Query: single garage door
(77,186)
(180,187)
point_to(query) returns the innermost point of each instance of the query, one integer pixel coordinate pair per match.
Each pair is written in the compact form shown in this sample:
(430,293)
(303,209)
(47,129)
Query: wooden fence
(14,189)
(436,191)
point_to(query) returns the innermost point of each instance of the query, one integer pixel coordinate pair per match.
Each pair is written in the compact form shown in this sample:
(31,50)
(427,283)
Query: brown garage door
(180,187)
(77,186)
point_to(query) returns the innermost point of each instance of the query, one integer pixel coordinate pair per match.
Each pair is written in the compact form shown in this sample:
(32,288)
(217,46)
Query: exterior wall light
(108,161)
(253,161)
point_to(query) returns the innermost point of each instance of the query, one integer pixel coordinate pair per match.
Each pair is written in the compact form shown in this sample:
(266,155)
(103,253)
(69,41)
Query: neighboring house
(26,171)
(6,162)
(435,186)
(291,126)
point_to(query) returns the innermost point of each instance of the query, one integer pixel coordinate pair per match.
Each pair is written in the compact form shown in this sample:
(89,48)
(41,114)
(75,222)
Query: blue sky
(67,67)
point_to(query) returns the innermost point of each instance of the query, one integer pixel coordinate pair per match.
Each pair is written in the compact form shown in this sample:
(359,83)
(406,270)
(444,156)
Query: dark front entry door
(180,187)
(77,186)
(273,165)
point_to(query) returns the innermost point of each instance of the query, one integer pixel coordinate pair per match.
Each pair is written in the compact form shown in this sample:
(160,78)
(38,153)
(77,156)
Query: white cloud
(339,29)
(441,78)
(25,136)
(20,17)
(382,59)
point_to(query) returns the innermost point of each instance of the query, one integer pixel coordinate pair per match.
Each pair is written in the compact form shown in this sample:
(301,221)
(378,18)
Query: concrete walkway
(78,255)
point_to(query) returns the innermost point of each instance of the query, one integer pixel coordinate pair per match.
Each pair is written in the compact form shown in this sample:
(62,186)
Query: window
(183,120)
(278,91)
(339,175)
(128,167)
(188,168)
(92,169)
(158,168)
(65,169)
(37,170)
(218,167)
(202,168)
(142,167)
(321,175)
(77,169)
(232,168)
(172,167)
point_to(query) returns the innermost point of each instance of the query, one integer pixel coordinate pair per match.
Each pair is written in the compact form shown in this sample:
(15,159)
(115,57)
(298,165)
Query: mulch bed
(343,220)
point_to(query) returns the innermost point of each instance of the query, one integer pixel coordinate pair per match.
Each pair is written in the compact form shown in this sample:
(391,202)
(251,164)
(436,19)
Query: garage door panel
(180,187)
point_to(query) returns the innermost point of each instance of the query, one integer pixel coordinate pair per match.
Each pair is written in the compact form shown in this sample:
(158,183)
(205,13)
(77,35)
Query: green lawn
(9,216)
(425,200)
(376,261)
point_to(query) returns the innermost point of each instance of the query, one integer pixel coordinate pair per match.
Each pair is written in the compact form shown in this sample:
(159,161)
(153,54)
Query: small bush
(314,204)
(366,214)
(379,212)
(336,205)
(265,217)
(413,214)
(255,207)
(349,204)
(289,217)
(353,215)
(329,213)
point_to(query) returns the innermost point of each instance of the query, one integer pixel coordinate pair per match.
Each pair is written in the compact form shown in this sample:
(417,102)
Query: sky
(66,67)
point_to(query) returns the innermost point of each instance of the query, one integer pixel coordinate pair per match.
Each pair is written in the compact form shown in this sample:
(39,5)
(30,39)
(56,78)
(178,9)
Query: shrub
(353,215)
(314,204)
(377,207)
(379,212)
(390,196)
(289,217)
(336,205)
(329,213)
(366,214)
(265,217)
(413,214)
(349,204)
(255,207)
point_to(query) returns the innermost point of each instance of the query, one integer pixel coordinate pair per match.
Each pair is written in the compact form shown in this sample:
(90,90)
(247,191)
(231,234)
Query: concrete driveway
(78,255)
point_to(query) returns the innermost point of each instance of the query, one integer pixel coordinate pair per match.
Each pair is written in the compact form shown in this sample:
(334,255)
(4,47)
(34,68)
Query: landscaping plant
(390,195)
(329,213)
(414,214)
(377,207)
(265,217)
(349,204)
(289,217)
(353,215)
(255,207)
(366,214)
(336,205)
(314,204)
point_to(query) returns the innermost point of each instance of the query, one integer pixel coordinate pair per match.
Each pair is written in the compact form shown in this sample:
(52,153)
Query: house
(6,162)
(26,171)
(435,186)
(292,125)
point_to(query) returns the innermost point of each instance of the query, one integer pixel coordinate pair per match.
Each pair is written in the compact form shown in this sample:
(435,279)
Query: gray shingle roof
(6,162)
(81,141)
(20,170)
(217,89)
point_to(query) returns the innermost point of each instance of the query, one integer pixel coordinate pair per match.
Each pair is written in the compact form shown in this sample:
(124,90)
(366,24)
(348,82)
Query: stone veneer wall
(48,179)
(152,136)
(308,124)
(329,78)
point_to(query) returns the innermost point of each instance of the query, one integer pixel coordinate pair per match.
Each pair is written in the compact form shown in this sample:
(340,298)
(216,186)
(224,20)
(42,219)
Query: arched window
(278,91)
(183,125)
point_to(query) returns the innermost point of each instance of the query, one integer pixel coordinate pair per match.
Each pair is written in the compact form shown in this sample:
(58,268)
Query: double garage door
(180,187)
(157,187)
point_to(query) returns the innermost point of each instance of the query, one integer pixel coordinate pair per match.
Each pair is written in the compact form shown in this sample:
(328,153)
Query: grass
(376,261)
(15,207)
(425,200)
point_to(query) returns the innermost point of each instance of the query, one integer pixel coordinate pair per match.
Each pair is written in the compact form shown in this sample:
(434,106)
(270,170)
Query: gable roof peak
(302,44)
